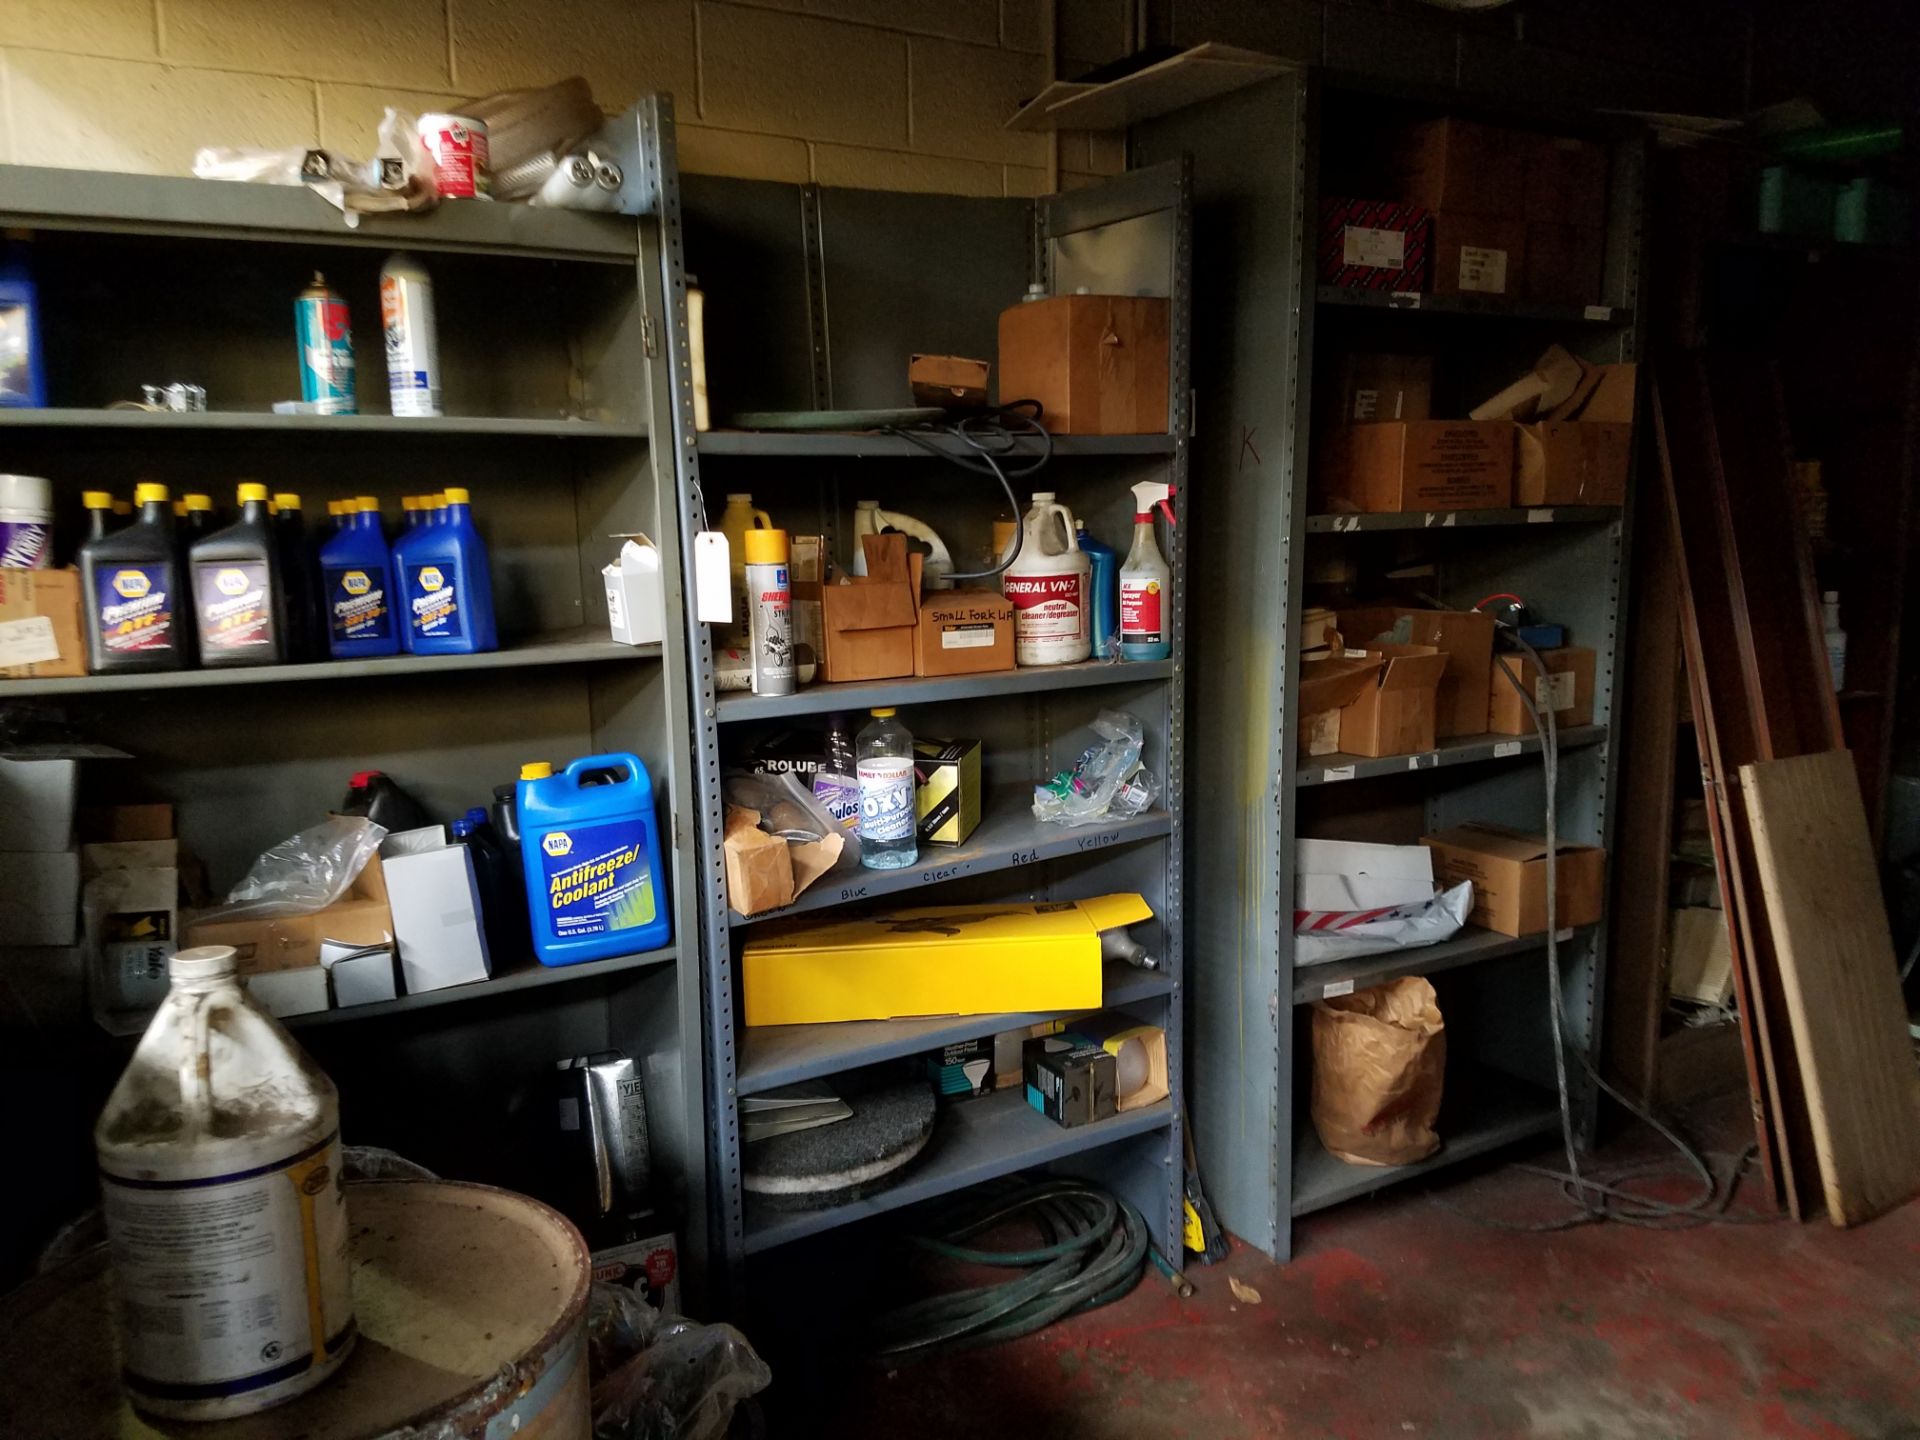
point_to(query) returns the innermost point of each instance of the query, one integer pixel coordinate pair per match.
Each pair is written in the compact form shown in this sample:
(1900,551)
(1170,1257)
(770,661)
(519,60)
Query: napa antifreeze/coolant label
(598,879)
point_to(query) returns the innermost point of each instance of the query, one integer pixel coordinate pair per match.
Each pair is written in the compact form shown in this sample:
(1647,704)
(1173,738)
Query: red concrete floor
(1402,1317)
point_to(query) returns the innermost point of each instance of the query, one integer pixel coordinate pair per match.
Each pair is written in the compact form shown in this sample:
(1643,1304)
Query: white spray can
(1048,583)
(413,342)
(769,611)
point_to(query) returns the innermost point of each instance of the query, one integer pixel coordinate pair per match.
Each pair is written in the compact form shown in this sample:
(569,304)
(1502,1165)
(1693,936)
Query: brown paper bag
(1379,1060)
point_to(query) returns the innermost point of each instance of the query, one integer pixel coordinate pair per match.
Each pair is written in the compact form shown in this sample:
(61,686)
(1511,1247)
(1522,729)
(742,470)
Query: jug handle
(762,520)
(1066,524)
(615,761)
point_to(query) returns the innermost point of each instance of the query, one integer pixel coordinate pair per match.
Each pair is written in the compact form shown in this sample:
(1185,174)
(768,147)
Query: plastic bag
(1321,935)
(305,872)
(789,809)
(370,1162)
(1107,782)
(683,1385)
(1379,1065)
(399,177)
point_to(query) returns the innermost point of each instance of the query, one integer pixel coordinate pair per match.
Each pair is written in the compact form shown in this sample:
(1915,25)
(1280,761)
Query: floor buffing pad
(832,1164)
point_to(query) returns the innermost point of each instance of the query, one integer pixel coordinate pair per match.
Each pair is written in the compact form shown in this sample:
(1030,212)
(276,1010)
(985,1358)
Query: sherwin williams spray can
(326,349)
(770,612)
(413,343)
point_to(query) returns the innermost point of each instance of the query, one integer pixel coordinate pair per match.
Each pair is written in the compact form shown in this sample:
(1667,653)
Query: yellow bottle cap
(148,492)
(123,507)
(765,547)
(199,502)
(458,496)
(96,499)
(179,509)
(251,490)
(366,504)
(881,712)
(409,503)
(440,501)
(286,500)
(536,770)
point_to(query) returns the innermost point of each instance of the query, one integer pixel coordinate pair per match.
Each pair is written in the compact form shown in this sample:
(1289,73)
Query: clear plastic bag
(789,808)
(1107,782)
(305,872)
(370,1162)
(662,1377)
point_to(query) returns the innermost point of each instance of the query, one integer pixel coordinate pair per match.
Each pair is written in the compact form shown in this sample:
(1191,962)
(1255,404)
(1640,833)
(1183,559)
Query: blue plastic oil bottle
(445,588)
(356,586)
(591,850)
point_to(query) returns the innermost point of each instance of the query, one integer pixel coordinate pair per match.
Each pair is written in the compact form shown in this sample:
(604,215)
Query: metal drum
(472,1308)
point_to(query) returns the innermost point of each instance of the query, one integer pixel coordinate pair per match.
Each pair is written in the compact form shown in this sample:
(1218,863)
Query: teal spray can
(590,845)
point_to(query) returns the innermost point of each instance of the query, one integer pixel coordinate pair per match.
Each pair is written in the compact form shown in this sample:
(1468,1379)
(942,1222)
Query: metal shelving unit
(826,328)
(1254,519)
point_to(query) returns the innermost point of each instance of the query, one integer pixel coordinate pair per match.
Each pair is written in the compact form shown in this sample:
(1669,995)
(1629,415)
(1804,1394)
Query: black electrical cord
(993,436)
(1092,1251)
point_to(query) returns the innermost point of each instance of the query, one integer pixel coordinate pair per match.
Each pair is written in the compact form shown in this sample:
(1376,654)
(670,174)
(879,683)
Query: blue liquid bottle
(446,592)
(356,586)
(590,846)
(1103,602)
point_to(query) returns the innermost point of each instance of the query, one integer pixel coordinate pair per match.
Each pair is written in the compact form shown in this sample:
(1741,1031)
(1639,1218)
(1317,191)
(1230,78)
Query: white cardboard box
(436,910)
(299,991)
(39,898)
(36,804)
(635,604)
(1350,875)
(360,976)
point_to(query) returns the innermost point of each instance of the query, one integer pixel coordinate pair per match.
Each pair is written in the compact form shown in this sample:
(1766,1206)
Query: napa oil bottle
(193,521)
(239,600)
(131,582)
(591,850)
(445,589)
(299,579)
(356,586)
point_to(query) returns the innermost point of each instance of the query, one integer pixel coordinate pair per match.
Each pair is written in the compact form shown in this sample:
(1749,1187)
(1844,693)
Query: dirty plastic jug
(735,521)
(870,519)
(590,845)
(1049,583)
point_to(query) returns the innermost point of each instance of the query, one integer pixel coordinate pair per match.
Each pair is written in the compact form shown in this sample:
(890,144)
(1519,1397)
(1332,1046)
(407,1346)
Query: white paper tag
(1366,405)
(712,590)
(1554,691)
(966,637)
(1483,270)
(1336,987)
(1599,312)
(1502,749)
(1382,249)
(1338,772)
(1560,937)
(27,642)
(1540,515)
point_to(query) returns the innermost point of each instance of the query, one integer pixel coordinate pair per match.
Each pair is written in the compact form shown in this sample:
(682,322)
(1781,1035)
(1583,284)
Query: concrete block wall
(880,94)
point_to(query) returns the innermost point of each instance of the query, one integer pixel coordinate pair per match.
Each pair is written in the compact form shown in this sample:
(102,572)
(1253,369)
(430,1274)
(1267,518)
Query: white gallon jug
(1049,585)
(219,1160)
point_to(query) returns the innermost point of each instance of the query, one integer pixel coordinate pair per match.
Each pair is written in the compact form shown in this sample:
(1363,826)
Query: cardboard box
(360,917)
(435,901)
(1478,254)
(963,1070)
(1070,1079)
(932,960)
(41,634)
(1319,631)
(360,975)
(1384,387)
(1114,1034)
(764,871)
(1465,636)
(118,823)
(1508,869)
(646,1263)
(1565,181)
(1584,455)
(1395,714)
(1458,165)
(950,381)
(1341,876)
(806,571)
(1699,956)
(1097,364)
(963,632)
(1567,687)
(1329,682)
(107,856)
(36,804)
(946,789)
(870,621)
(1420,465)
(287,993)
(1375,245)
(1551,385)
(1564,263)
(40,898)
(132,927)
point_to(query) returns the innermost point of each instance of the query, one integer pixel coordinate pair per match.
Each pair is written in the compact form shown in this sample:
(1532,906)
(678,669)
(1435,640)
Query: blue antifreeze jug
(356,586)
(591,850)
(446,593)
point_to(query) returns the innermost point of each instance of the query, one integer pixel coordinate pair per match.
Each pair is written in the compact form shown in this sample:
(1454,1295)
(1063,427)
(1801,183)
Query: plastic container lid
(148,492)
(409,502)
(478,815)
(203,962)
(458,496)
(251,490)
(286,500)
(536,770)
(881,712)
(180,509)
(766,547)
(199,502)
(26,492)
(96,500)
(462,828)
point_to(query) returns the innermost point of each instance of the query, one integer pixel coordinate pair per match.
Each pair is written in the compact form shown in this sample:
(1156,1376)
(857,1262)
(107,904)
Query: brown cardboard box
(870,621)
(1464,635)
(1699,955)
(40,617)
(107,823)
(806,570)
(948,380)
(1330,681)
(1478,254)
(1420,465)
(1567,685)
(1394,715)
(1508,869)
(1097,363)
(1384,387)
(963,632)
(362,917)
(1565,180)
(1563,263)
(1582,460)
(759,869)
(1459,165)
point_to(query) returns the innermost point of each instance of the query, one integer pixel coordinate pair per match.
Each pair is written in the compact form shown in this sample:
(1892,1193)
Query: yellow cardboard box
(933,960)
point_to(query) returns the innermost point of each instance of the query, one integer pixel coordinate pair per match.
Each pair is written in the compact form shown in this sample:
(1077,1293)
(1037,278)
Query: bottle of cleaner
(194,519)
(219,1155)
(26,522)
(1048,583)
(131,583)
(23,381)
(1103,578)
(1836,638)
(413,344)
(446,591)
(1146,581)
(299,579)
(506,843)
(883,756)
(238,595)
(377,796)
(837,786)
(357,588)
(870,519)
(591,849)
(735,521)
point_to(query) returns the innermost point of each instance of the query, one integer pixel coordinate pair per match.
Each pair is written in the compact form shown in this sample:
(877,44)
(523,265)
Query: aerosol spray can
(769,612)
(413,346)
(326,349)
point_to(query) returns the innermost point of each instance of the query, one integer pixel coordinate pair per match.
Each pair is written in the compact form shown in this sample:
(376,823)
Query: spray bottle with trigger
(1146,580)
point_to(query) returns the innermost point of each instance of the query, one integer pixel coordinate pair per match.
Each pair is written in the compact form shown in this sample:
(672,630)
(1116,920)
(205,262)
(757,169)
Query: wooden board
(1186,79)
(1835,953)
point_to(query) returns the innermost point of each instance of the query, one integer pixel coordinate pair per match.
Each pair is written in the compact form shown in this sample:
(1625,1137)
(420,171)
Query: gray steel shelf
(1462,519)
(798,444)
(774,1055)
(973,1141)
(737,705)
(1488,307)
(566,647)
(1470,947)
(1007,837)
(525,974)
(1464,750)
(308,426)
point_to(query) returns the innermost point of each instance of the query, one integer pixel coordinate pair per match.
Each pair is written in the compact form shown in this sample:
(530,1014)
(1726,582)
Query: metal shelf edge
(529,975)
(823,698)
(1467,750)
(1472,947)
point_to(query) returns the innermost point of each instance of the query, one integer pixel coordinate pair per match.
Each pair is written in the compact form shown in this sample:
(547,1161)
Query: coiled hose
(1093,1250)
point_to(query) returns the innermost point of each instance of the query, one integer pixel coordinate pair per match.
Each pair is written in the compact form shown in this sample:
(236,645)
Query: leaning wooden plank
(1837,966)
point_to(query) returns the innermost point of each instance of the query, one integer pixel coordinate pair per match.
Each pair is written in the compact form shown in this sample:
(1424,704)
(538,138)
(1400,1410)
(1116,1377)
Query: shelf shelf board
(1006,838)
(567,647)
(1462,519)
(972,1141)
(1464,750)
(1483,1111)
(1470,947)
(213,422)
(796,444)
(738,705)
(1485,307)
(526,974)
(775,1055)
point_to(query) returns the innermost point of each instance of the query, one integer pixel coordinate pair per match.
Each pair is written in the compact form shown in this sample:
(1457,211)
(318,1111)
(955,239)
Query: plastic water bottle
(883,755)
(1835,637)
